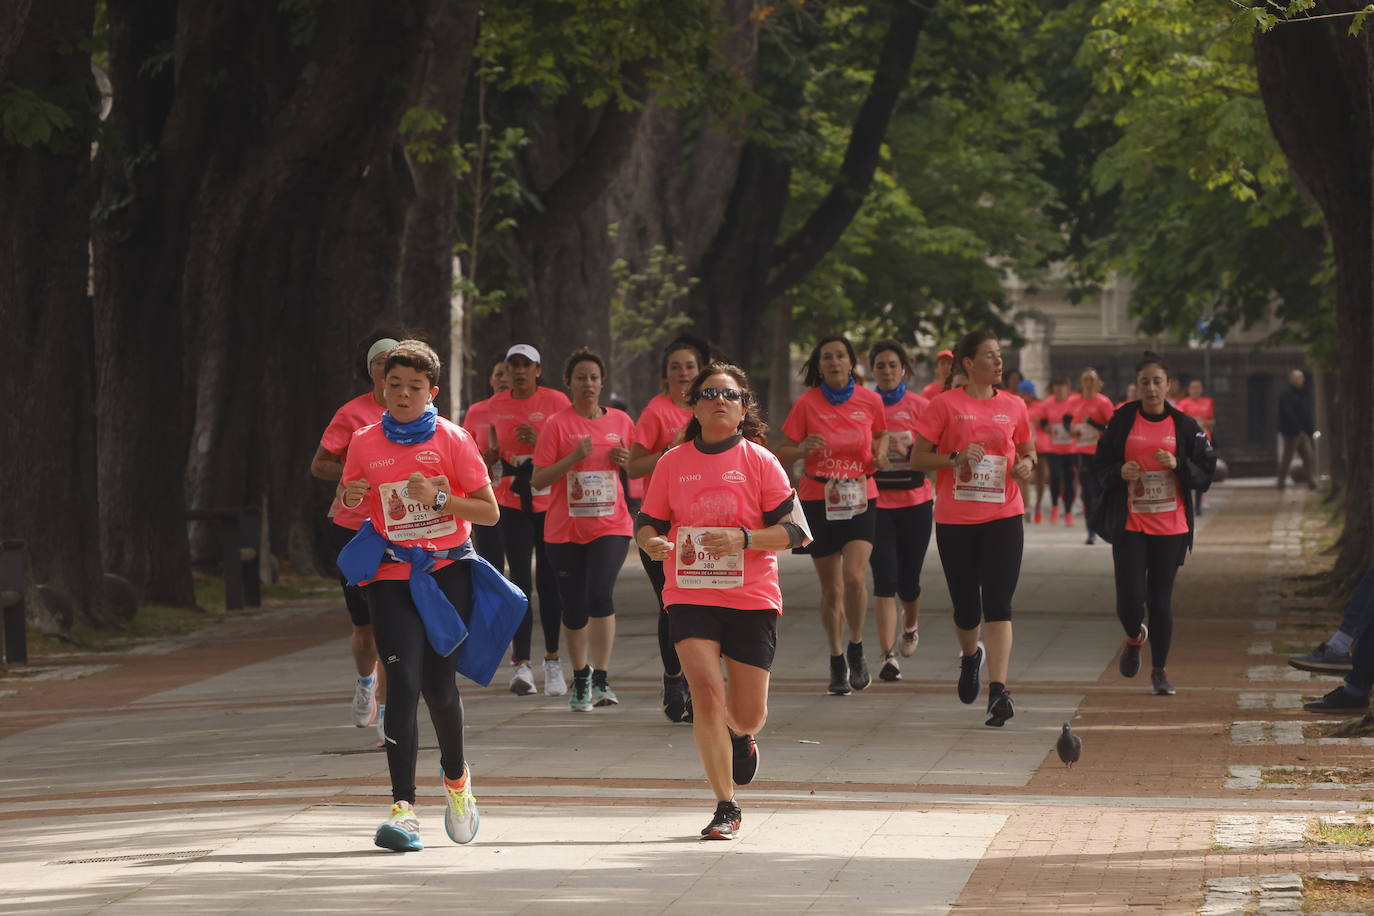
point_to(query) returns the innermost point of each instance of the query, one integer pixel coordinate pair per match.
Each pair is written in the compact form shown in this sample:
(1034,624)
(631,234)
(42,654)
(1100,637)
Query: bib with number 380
(694,567)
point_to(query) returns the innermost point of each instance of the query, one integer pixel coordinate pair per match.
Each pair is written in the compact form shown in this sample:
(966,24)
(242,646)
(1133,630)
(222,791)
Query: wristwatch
(440,500)
(954,458)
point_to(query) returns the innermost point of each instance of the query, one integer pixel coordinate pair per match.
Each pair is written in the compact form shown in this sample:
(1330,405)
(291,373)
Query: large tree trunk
(1315,81)
(47,386)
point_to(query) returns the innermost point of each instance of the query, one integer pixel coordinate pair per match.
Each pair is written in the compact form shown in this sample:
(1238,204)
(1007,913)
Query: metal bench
(239,533)
(13,584)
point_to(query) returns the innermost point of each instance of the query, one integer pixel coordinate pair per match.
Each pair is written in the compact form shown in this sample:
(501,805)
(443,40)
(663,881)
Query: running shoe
(381,725)
(365,700)
(858,668)
(890,671)
(969,666)
(554,685)
(1322,659)
(910,640)
(676,697)
(1054,514)
(580,697)
(1339,700)
(1068,519)
(745,758)
(461,818)
(839,676)
(522,682)
(1092,538)
(724,823)
(1000,709)
(1129,664)
(1159,683)
(1039,517)
(401,831)
(603,695)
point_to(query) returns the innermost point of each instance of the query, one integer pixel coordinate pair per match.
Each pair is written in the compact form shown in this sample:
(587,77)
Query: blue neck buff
(896,394)
(838,396)
(421,429)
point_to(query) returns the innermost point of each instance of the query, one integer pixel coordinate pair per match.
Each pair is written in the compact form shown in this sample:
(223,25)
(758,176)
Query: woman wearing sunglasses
(840,429)
(714,517)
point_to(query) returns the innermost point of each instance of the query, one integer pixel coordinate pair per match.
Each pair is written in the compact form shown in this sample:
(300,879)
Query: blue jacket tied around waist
(498,606)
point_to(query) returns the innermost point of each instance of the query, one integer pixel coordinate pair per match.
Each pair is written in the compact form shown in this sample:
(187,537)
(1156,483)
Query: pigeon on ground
(1069,746)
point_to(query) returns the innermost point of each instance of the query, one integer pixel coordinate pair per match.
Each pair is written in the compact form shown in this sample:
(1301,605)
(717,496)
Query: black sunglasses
(710,394)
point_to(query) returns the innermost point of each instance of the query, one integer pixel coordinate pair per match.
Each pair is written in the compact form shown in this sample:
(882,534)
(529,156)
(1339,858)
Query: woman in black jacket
(1149,463)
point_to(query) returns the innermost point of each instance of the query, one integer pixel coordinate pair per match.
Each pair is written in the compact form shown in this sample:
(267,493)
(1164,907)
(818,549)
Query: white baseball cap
(525,350)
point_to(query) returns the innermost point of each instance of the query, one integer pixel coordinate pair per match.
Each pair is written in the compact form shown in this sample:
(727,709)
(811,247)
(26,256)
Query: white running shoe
(460,816)
(381,725)
(554,685)
(522,682)
(401,831)
(910,640)
(365,701)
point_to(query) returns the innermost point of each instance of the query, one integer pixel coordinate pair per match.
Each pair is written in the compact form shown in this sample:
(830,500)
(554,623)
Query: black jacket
(1196,465)
(1295,415)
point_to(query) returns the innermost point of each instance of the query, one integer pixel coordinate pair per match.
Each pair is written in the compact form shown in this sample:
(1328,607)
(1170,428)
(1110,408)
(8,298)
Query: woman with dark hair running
(1151,459)
(1091,412)
(904,512)
(839,428)
(978,441)
(660,428)
(581,456)
(715,516)
(1056,418)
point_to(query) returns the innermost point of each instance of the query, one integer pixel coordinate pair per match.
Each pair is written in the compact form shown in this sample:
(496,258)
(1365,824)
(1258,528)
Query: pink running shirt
(1061,439)
(387,466)
(348,419)
(588,502)
(967,495)
(1099,408)
(728,490)
(1154,504)
(901,433)
(849,431)
(658,426)
(506,413)
(1201,409)
(933,390)
(1036,412)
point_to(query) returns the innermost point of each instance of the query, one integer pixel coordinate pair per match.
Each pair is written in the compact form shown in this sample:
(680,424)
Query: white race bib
(1087,434)
(846,498)
(984,482)
(1154,493)
(540,491)
(695,568)
(899,446)
(591,494)
(1059,435)
(408,519)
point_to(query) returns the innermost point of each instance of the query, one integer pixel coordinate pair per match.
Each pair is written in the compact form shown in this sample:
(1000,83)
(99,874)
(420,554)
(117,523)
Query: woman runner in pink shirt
(660,428)
(1053,413)
(477,421)
(839,428)
(581,457)
(1035,409)
(1091,413)
(714,517)
(979,442)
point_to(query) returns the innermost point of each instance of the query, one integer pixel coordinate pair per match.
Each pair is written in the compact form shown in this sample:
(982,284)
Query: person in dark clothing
(1296,428)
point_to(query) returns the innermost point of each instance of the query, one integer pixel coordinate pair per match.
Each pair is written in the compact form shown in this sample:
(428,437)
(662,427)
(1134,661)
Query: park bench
(238,532)
(13,584)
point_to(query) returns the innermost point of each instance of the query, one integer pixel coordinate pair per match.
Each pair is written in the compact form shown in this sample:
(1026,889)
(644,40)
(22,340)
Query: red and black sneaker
(746,758)
(725,824)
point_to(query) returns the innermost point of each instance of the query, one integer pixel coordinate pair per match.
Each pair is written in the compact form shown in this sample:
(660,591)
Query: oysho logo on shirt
(688,478)
(733,476)
(381,463)
(428,457)
(966,416)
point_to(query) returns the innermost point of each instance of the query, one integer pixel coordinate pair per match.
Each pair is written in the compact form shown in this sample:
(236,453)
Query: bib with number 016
(408,519)
(591,494)
(845,498)
(1154,493)
(696,568)
(534,491)
(984,482)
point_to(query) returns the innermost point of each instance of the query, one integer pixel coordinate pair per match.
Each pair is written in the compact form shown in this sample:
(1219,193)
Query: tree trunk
(47,384)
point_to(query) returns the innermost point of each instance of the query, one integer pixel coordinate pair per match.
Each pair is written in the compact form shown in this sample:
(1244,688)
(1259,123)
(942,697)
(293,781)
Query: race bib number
(592,494)
(539,491)
(984,482)
(1154,493)
(899,446)
(695,568)
(1087,434)
(845,499)
(1059,435)
(408,519)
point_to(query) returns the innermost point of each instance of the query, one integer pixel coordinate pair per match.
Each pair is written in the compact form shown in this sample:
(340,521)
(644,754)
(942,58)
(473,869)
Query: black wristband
(748,538)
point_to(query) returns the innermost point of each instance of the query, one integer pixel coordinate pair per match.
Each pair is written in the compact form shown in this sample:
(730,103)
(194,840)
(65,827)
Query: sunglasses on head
(710,394)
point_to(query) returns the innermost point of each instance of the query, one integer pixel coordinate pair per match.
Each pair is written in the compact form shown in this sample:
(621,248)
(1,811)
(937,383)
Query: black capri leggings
(666,651)
(1061,479)
(586,577)
(413,669)
(982,563)
(900,539)
(1146,566)
(1088,481)
(522,535)
(354,599)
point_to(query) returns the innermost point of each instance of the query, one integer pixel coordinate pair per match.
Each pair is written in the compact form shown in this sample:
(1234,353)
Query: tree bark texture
(47,384)
(1315,80)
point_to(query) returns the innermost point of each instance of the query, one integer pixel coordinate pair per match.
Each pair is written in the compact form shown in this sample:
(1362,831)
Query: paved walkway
(219,774)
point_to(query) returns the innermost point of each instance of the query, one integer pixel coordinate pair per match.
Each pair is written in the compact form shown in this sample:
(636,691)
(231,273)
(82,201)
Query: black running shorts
(750,637)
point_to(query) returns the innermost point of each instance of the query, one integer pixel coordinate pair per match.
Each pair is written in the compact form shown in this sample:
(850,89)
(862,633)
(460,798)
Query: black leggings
(666,651)
(900,540)
(1088,481)
(487,540)
(586,576)
(522,534)
(413,668)
(982,563)
(1146,565)
(1061,479)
